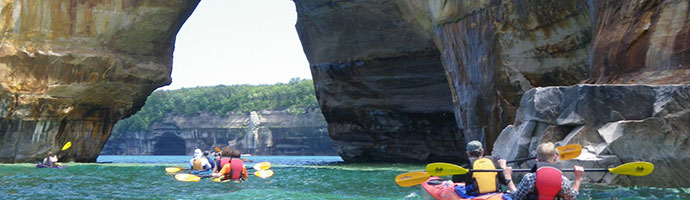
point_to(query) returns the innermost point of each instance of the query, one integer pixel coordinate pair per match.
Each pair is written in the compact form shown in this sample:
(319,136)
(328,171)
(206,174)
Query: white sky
(233,42)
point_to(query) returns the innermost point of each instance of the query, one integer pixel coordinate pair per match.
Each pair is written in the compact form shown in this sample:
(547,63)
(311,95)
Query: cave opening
(169,144)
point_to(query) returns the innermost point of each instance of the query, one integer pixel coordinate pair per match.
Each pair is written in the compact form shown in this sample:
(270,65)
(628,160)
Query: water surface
(296,177)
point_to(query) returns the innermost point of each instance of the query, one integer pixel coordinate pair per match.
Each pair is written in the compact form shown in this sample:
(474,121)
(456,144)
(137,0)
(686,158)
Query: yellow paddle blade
(187,177)
(218,149)
(262,166)
(263,173)
(568,152)
(67,145)
(173,169)
(445,169)
(634,169)
(411,178)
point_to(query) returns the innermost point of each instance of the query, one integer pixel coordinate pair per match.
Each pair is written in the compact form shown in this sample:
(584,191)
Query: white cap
(198,153)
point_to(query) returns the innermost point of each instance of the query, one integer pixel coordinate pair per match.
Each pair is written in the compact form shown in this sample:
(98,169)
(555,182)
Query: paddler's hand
(502,163)
(579,171)
(508,172)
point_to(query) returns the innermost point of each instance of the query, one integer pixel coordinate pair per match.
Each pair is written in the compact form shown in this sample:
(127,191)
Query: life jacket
(484,182)
(236,166)
(223,161)
(548,181)
(196,164)
(211,162)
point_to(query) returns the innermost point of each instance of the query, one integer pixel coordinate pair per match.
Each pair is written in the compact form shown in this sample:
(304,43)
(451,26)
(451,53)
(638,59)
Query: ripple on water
(292,180)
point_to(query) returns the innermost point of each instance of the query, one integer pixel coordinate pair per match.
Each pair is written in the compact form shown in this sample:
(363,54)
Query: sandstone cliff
(367,59)
(257,133)
(70,69)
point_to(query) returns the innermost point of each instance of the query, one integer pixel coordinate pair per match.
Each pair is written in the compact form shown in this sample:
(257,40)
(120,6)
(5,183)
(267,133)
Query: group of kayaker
(545,182)
(225,164)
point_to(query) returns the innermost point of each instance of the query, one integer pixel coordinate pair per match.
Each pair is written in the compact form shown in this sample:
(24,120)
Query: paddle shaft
(530,170)
(522,160)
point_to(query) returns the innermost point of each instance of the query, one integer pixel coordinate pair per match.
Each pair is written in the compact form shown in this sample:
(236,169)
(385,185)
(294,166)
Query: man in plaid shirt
(545,153)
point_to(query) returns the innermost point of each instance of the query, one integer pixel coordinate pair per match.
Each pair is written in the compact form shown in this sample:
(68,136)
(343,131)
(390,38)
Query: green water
(294,178)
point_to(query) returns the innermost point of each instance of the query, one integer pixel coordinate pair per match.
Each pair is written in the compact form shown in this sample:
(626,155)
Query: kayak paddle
(194,178)
(630,169)
(66,146)
(263,173)
(174,169)
(415,178)
(187,177)
(566,152)
(262,166)
(411,178)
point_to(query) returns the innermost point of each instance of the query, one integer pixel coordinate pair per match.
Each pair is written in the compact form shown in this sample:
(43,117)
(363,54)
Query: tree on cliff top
(296,96)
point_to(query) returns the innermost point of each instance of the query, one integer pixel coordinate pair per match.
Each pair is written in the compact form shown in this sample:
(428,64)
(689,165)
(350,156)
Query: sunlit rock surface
(256,133)
(70,69)
(616,124)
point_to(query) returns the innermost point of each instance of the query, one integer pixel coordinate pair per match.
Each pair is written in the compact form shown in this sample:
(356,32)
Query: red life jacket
(236,166)
(548,183)
(223,161)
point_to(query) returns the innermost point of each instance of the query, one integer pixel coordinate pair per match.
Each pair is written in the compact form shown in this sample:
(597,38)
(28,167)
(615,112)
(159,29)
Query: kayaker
(224,158)
(210,159)
(479,183)
(216,160)
(199,163)
(234,170)
(51,160)
(548,181)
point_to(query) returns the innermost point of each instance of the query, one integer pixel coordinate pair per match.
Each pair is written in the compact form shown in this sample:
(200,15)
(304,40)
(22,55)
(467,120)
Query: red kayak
(445,189)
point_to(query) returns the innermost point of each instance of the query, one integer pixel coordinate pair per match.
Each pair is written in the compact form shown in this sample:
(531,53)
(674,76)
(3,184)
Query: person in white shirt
(199,163)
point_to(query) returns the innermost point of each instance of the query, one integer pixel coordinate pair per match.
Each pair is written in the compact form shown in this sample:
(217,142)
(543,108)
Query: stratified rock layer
(380,83)
(494,51)
(491,53)
(70,69)
(641,42)
(616,124)
(257,133)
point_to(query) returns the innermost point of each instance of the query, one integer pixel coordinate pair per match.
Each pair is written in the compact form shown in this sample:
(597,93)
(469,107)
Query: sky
(229,42)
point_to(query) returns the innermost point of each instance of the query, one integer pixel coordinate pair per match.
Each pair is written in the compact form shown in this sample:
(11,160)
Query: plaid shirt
(527,186)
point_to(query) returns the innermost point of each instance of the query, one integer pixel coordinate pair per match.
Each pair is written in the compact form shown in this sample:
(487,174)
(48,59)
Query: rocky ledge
(616,124)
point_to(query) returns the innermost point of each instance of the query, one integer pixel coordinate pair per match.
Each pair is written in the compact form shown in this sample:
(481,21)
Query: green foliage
(296,96)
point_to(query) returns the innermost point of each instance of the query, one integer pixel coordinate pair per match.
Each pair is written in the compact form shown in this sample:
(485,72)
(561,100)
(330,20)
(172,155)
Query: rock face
(380,84)
(640,42)
(258,133)
(70,69)
(366,56)
(495,51)
(616,124)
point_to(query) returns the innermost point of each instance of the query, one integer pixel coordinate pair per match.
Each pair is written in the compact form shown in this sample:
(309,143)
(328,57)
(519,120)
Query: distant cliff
(258,133)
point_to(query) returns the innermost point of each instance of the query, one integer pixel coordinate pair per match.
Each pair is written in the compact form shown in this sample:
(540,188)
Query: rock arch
(169,144)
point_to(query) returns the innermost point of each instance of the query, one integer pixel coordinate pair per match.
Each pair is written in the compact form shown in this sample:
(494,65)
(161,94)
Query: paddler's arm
(244,172)
(507,174)
(223,171)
